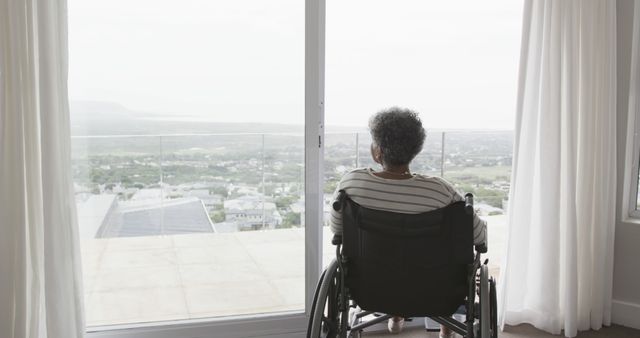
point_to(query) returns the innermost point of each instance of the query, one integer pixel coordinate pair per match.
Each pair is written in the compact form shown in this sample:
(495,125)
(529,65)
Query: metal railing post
(357,151)
(442,157)
(161,187)
(263,187)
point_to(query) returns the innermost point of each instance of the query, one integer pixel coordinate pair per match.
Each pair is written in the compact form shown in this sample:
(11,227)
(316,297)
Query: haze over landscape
(243,61)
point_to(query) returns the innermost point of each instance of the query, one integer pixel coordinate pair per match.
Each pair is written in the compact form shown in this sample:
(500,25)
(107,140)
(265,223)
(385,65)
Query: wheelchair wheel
(494,308)
(315,300)
(485,305)
(325,320)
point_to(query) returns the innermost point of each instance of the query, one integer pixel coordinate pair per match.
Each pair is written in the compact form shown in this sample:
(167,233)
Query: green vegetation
(331,185)
(218,216)
(283,202)
(291,219)
(229,165)
(488,184)
(222,191)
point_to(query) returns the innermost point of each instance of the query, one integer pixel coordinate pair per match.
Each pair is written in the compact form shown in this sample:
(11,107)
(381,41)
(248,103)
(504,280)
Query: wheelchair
(409,265)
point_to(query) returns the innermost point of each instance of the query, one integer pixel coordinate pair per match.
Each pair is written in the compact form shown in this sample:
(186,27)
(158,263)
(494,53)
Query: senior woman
(397,137)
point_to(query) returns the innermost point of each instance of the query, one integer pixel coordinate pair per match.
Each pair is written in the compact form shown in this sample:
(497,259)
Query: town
(151,185)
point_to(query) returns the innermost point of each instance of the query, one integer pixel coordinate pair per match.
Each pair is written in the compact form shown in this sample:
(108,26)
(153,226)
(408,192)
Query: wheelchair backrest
(407,264)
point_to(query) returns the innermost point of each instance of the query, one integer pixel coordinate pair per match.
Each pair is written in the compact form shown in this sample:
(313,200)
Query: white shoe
(395,325)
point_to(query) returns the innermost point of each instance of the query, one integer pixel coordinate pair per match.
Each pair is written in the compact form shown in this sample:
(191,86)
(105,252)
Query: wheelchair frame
(334,314)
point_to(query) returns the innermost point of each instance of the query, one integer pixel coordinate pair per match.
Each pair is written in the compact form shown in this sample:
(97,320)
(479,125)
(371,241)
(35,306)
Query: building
(251,212)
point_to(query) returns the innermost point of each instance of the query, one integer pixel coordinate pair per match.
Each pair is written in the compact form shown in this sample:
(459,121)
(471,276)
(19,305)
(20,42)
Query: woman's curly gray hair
(399,134)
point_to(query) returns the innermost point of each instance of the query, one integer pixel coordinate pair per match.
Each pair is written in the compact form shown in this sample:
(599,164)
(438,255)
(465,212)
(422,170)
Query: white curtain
(634,103)
(40,285)
(557,274)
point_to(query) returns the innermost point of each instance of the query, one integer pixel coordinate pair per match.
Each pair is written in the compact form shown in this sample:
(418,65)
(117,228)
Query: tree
(330,186)
(218,216)
(220,190)
(291,219)
(284,202)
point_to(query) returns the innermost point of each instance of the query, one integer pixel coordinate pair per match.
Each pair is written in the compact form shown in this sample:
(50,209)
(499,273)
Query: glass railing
(179,227)
(244,181)
(189,226)
(473,161)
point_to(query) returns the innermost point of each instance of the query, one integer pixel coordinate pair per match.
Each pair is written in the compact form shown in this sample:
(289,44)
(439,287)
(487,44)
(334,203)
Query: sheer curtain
(633,105)
(558,270)
(40,285)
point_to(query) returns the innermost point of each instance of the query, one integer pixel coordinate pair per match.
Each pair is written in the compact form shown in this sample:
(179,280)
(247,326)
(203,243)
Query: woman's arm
(479,225)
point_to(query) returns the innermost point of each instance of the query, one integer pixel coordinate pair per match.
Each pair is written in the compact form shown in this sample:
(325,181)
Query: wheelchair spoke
(327,325)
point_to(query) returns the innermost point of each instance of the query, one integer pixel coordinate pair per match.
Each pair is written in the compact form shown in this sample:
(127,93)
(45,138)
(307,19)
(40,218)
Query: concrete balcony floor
(178,277)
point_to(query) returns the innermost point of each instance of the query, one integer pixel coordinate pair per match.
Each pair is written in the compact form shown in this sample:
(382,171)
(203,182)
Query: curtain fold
(557,274)
(40,278)
(633,113)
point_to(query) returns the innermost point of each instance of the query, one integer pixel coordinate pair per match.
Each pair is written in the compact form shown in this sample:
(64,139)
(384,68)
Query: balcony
(183,227)
(177,277)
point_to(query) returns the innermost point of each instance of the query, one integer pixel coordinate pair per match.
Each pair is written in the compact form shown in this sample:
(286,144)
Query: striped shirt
(414,195)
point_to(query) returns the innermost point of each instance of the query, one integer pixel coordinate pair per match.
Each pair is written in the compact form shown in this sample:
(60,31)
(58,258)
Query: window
(196,158)
(188,158)
(456,63)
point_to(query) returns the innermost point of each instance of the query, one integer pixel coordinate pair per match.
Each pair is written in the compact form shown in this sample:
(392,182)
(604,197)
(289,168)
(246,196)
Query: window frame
(635,162)
(632,179)
(273,324)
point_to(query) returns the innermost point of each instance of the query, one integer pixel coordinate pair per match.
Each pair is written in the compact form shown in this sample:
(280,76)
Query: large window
(188,157)
(198,150)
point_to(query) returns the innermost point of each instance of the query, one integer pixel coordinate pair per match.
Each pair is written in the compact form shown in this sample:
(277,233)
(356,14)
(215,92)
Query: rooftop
(156,217)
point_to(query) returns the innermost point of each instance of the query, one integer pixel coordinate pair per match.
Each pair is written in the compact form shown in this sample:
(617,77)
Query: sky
(455,62)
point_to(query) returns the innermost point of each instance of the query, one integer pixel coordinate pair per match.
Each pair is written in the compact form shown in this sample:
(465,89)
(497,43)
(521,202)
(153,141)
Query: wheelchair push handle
(337,204)
(468,203)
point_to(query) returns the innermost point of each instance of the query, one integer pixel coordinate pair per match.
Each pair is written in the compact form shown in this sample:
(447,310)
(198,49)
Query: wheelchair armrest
(481,248)
(336,240)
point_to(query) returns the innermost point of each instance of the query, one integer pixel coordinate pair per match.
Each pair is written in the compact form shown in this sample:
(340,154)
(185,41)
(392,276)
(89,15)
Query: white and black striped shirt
(413,195)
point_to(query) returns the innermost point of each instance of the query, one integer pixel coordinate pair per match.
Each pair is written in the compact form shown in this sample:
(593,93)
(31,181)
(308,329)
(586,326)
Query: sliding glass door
(199,143)
(456,64)
(196,181)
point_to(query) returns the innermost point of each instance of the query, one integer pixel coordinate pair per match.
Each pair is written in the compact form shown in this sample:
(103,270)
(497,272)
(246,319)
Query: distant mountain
(108,118)
(100,110)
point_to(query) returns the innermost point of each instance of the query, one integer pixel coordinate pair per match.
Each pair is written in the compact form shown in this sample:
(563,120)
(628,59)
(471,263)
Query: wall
(626,275)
